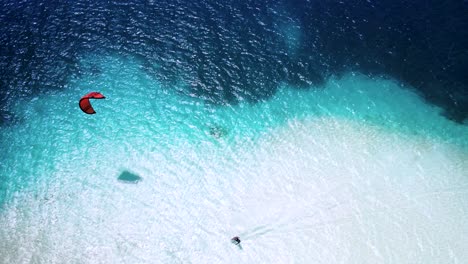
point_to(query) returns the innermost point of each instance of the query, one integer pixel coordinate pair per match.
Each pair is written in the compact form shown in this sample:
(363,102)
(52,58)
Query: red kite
(85,105)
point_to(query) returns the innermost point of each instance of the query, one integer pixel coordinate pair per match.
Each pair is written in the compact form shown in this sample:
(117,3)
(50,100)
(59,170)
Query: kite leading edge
(85,104)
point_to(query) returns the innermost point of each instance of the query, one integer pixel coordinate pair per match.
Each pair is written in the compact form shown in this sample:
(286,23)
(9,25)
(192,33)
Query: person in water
(235,240)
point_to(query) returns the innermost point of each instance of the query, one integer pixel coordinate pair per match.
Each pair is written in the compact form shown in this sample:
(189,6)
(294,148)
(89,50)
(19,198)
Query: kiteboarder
(236,240)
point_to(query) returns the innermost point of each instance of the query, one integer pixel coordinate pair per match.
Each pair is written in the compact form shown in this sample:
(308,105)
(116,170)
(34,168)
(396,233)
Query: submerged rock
(129,177)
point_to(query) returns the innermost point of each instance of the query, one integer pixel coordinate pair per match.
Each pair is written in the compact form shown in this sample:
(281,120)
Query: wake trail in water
(307,222)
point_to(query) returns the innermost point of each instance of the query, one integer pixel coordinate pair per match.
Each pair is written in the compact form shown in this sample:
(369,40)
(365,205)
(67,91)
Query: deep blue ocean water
(316,131)
(240,50)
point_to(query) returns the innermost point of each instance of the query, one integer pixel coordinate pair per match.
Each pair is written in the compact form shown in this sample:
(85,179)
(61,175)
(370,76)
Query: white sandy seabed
(358,171)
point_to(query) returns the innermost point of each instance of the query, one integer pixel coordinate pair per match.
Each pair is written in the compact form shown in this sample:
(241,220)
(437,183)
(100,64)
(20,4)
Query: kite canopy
(85,105)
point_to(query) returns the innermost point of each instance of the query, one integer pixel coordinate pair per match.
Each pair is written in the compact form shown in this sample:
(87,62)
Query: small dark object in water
(235,240)
(218,132)
(129,177)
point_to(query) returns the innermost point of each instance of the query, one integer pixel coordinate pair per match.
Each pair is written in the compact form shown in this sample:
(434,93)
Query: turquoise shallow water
(359,170)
